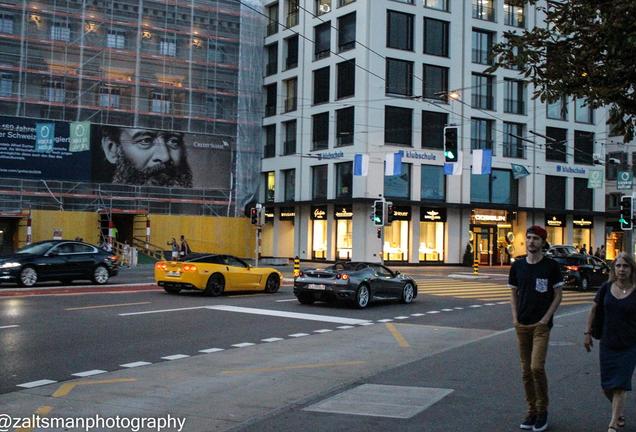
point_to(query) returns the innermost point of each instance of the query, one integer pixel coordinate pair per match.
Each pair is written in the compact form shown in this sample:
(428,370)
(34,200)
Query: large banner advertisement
(80,151)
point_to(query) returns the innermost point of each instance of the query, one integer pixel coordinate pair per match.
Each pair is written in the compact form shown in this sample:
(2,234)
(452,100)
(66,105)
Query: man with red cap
(535,282)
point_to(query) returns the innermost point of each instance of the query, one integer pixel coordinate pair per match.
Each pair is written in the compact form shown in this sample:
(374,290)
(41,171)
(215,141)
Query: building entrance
(490,243)
(8,235)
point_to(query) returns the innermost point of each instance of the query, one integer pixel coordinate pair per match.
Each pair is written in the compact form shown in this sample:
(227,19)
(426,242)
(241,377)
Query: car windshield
(567,260)
(346,266)
(36,248)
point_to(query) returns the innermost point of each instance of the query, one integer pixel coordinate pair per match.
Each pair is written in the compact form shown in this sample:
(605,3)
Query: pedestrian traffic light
(389,213)
(627,212)
(378,212)
(451,143)
(254,215)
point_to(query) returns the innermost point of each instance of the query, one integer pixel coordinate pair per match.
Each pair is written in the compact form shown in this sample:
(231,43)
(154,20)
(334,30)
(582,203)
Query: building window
(292,13)
(319,182)
(109,97)
(555,192)
(583,147)
(584,195)
(289,146)
(399,186)
(270,100)
(272,59)
(435,82)
(6,85)
(404,1)
(582,112)
(272,14)
(168,46)
(556,145)
(497,188)
(481,133)
(514,14)
(160,102)
(322,40)
(320,131)
(399,77)
(433,124)
(558,110)
(344,179)
(54,91)
(482,96)
(116,39)
(270,186)
(612,168)
(347,32)
(291,61)
(6,23)
(436,37)
(482,46)
(399,31)
(346,71)
(436,4)
(613,200)
(290,94)
(484,10)
(344,2)
(289,179)
(344,126)
(398,125)
(61,32)
(433,183)
(323,7)
(514,97)
(321,85)
(512,143)
(270,141)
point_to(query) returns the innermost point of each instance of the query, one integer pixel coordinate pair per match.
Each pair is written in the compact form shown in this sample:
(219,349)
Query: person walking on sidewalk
(616,302)
(535,284)
(184,249)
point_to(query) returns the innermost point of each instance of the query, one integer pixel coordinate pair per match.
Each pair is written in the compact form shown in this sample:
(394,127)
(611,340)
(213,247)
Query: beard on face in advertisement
(164,174)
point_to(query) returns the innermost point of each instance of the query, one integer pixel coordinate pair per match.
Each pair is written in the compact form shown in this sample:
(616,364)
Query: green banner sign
(595,180)
(80,137)
(624,180)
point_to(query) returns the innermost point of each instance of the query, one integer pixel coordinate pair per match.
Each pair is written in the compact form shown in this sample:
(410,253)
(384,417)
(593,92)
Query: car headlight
(10,264)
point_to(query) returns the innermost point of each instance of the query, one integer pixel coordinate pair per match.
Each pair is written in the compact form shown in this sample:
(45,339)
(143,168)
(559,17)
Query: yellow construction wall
(72,224)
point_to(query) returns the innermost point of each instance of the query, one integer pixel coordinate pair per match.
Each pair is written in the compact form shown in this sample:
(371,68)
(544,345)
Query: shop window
(583,196)
(581,237)
(431,245)
(319,239)
(436,37)
(346,72)
(344,179)
(270,186)
(433,182)
(347,32)
(556,145)
(399,186)
(289,178)
(583,147)
(345,126)
(555,192)
(555,235)
(322,40)
(321,85)
(344,239)
(399,77)
(398,125)
(399,30)
(319,182)
(320,131)
(396,241)
(433,124)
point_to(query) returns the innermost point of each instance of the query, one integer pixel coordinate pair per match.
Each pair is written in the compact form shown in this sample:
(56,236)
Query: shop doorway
(483,239)
(8,235)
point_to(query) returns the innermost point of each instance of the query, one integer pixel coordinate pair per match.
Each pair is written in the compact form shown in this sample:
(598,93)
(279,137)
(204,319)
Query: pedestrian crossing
(487,291)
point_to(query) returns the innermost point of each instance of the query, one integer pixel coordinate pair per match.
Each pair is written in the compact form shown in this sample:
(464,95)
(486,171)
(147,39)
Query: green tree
(587,49)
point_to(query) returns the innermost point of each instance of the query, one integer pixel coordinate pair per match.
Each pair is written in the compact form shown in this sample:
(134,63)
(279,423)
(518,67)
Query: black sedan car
(60,260)
(358,283)
(582,272)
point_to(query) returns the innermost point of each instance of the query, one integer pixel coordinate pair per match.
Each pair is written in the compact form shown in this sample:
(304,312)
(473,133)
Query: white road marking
(475,306)
(345,327)
(418,314)
(432,312)
(365,323)
(447,310)
(386,320)
(211,350)
(322,331)
(175,357)
(89,373)
(490,304)
(272,339)
(243,344)
(161,311)
(401,317)
(285,300)
(36,383)
(459,308)
(297,335)
(9,326)
(503,302)
(135,364)
(284,314)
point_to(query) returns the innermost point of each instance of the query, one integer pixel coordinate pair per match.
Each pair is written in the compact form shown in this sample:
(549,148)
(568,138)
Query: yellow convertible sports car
(214,275)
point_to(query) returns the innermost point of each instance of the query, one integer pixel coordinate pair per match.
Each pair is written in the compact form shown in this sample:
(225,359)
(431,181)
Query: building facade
(347,77)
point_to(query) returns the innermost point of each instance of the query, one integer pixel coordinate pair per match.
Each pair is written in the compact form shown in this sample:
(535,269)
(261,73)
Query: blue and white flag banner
(393,164)
(454,168)
(519,171)
(361,165)
(482,161)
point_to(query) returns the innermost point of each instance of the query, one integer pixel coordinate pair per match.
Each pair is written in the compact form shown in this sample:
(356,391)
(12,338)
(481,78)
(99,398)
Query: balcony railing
(514,106)
(513,150)
(483,11)
(344,139)
(481,57)
(320,145)
(291,62)
(346,46)
(514,16)
(480,143)
(272,28)
(482,102)
(270,110)
(290,104)
(271,68)
(292,19)
(289,147)
(269,150)
(323,53)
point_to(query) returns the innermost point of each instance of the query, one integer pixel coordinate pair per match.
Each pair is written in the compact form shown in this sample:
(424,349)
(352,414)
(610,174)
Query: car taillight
(342,276)
(189,268)
(113,258)
(572,267)
(161,266)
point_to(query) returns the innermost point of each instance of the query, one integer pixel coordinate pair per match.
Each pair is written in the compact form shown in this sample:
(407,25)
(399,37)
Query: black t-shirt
(619,321)
(535,288)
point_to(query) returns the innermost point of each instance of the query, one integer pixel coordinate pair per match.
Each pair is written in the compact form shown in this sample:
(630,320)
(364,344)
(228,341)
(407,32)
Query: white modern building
(347,77)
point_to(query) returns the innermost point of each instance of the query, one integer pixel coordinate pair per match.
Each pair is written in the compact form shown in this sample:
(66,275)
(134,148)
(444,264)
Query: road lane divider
(285,314)
(106,306)
(9,326)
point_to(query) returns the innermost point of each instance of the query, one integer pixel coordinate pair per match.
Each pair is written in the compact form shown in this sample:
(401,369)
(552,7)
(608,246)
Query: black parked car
(60,260)
(582,271)
(358,283)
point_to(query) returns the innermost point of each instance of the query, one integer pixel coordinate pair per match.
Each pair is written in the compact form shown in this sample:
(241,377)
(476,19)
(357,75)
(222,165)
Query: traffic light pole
(258,245)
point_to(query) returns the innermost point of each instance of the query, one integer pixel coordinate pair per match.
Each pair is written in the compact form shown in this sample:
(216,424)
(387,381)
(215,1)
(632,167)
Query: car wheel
(408,292)
(215,285)
(28,277)
(273,284)
(305,299)
(585,283)
(172,290)
(100,275)
(362,297)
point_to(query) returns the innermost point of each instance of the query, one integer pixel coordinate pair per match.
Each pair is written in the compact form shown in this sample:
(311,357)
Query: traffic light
(378,212)
(627,212)
(389,213)
(254,215)
(451,149)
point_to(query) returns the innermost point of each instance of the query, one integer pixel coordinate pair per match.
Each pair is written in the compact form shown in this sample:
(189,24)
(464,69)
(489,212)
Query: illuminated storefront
(492,236)
(319,232)
(614,241)
(344,232)
(431,244)
(396,235)
(267,243)
(582,232)
(554,225)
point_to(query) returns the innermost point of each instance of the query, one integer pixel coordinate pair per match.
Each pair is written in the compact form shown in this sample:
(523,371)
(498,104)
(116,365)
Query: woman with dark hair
(618,338)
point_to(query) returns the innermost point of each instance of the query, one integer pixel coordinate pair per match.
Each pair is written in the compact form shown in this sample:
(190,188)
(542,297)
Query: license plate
(173,274)
(315,286)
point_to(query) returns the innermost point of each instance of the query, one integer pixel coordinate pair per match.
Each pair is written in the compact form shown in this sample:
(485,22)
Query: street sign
(595,180)
(624,180)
